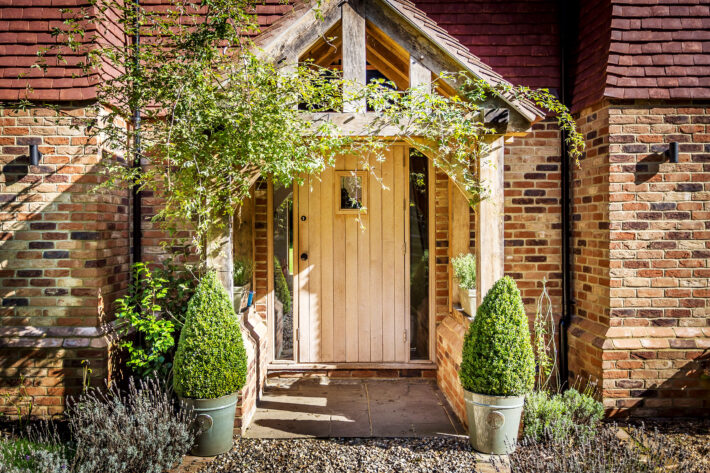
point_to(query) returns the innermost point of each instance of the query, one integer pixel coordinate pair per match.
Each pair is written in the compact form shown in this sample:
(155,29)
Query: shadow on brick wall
(64,256)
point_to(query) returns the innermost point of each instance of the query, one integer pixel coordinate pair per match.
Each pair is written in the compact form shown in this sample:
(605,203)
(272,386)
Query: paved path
(322,407)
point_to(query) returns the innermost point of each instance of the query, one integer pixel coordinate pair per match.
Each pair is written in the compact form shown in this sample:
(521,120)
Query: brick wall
(590,246)
(532,228)
(658,341)
(642,258)
(65,255)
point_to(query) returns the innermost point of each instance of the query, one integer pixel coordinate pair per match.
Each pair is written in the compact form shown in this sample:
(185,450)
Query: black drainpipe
(567,22)
(136,193)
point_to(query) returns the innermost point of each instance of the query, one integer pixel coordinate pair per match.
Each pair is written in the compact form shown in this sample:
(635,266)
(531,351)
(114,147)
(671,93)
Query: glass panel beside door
(283,272)
(419,255)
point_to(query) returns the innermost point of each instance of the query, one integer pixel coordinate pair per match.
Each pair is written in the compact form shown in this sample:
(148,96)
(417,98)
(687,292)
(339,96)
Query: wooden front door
(352,290)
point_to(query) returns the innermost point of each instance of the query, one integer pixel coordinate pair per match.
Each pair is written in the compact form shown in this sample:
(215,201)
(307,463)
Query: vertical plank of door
(351,274)
(375,275)
(326,265)
(339,290)
(387,263)
(304,274)
(363,271)
(314,263)
(399,278)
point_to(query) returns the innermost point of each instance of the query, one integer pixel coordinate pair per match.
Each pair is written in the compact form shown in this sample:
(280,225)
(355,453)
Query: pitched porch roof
(409,26)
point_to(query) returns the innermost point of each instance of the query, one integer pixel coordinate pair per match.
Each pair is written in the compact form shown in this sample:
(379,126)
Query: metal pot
(468,301)
(493,422)
(238,292)
(215,420)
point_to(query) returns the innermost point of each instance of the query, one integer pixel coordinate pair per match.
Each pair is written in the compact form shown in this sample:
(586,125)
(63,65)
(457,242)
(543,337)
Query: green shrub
(154,308)
(211,360)
(558,415)
(497,354)
(243,269)
(465,270)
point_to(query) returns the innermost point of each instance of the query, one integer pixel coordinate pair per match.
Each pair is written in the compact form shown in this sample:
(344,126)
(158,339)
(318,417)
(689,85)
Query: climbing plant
(216,117)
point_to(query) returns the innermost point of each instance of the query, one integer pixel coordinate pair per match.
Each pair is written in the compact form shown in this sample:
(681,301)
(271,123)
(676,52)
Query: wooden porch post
(219,253)
(354,56)
(489,221)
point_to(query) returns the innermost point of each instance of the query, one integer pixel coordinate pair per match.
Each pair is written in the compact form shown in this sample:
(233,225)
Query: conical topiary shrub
(497,354)
(210,361)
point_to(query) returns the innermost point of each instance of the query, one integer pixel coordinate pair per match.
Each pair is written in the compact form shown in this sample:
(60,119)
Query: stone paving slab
(324,407)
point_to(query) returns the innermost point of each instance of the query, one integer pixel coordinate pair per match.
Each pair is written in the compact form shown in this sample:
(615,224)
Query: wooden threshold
(412,365)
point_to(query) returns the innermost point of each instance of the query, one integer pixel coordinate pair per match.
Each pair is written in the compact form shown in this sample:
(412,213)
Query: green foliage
(497,354)
(243,269)
(282,292)
(216,116)
(21,402)
(154,309)
(23,455)
(465,270)
(559,414)
(211,360)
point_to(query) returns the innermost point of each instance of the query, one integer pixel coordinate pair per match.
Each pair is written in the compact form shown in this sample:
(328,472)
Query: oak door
(352,284)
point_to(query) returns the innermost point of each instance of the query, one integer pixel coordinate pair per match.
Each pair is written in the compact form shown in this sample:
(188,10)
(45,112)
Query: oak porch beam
(489,220)
(354,58)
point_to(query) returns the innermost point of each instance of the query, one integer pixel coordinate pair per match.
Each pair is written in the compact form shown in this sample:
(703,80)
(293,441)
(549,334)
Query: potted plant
(497,369)
(210,365)
(242,279)
(465,273)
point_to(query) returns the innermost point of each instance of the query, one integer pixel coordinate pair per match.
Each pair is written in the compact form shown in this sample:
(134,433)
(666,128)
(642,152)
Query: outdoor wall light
(672,152)
(35,155)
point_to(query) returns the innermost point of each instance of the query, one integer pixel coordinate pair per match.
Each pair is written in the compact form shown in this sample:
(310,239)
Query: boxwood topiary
(210,361)
(497,353)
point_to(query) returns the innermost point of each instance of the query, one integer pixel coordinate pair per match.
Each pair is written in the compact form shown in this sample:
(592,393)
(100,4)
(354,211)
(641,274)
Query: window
(352,189)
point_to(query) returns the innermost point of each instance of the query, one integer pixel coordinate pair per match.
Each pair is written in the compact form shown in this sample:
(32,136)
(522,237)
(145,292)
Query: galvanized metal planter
(493,422)
(468,301)
(215,419)
(238,292)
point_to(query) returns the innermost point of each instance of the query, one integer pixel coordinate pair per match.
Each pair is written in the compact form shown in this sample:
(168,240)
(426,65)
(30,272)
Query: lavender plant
(645,452)
(39,449)
(137,431)
(557,415)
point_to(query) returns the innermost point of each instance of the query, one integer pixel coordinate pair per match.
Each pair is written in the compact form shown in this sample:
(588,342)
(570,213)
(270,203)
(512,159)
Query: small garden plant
(154,308)
(243,269)
(141,429)
(211,360)
(497,354)
(558,414)
(465,270)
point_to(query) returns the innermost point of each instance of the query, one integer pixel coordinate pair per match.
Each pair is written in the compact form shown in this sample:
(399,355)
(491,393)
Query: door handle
(304,256)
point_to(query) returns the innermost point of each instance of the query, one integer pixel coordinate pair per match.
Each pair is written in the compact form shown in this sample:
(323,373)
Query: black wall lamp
(672,152)
(35,155)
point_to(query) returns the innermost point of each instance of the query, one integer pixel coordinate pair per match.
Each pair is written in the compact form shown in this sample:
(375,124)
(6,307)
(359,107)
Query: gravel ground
(691,434)
(432,454)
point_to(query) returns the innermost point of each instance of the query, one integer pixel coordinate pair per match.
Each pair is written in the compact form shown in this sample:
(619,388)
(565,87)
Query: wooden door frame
(409,363)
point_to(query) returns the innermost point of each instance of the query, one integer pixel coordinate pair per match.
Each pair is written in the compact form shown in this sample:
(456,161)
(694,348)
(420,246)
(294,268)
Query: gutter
(567,24)
(135,190)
